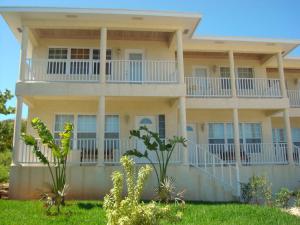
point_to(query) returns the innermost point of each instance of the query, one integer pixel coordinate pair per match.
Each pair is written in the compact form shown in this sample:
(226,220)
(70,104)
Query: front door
(192,140)
(151,123)
(135,65)
(202,85)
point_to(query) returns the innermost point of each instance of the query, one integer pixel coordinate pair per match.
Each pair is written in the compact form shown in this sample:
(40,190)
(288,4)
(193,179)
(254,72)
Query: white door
(135,65)
(151,123)
(192,140)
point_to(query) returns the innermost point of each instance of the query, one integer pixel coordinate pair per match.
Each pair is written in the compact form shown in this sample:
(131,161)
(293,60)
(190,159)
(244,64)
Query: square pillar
(101,129)
(281,75)
(236,132)
(232,73)
(182,126)
(288,136)
(103,37)
(180,64)
(24,47)
(17,130)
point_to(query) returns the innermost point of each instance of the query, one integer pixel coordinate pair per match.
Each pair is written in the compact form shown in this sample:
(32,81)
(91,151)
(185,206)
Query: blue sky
(259,18)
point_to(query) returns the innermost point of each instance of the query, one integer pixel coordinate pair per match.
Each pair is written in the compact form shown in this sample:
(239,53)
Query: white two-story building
(110,71)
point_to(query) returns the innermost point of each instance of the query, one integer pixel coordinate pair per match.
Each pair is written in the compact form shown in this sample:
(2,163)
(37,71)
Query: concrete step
(4,191)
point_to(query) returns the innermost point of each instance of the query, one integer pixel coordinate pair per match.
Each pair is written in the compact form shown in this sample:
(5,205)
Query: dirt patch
(293,211)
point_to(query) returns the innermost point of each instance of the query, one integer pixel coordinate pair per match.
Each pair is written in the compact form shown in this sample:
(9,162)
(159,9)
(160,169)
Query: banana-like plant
(60,151)
(163,150)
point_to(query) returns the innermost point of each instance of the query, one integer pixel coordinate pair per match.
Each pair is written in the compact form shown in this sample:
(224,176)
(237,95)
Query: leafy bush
(282,197)
(297,201)
(163,150)
(257,190)
(57,168)
(5,161)
(130,211)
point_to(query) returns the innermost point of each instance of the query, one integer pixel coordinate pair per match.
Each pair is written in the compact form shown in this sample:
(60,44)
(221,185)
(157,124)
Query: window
(220,133)
(56,63)
(278,135)
(161,126)
(80,53)
(80,61)
(245,73)
(60,121)
(96,65)
(296,136)
(111,135)
(250,134)
(86,127)
(225,74)
(112,127)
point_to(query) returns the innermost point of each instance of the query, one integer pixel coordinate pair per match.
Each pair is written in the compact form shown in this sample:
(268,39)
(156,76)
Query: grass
(91,213)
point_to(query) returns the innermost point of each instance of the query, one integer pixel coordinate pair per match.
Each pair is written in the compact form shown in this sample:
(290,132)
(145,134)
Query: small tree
(163,150)
(4,97)
(60,152)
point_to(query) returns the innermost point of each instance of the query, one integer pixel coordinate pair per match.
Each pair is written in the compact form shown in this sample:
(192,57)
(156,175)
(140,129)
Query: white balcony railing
(85,151)
(141,71)
(258,87)
(208,87)
(208,154)
(263,153)
(80,70)
(294,97)
(117,71)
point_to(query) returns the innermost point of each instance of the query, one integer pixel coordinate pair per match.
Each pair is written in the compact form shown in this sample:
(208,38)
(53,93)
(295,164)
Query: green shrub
(257,190)
(282,197)
(5,161)
(297,200)
(130,211)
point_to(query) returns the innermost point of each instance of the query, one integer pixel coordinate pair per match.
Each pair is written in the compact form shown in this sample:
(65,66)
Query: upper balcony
(221,87)
(88,70)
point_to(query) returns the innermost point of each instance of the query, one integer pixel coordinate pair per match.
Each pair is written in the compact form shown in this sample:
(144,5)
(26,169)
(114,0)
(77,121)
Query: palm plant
(163,150)
(60,152)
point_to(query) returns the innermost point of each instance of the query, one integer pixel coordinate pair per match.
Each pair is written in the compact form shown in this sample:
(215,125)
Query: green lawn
(91,212)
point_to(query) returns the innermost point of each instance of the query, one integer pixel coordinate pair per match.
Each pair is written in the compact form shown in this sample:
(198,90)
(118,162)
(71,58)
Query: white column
(281,75)
(24,47)
(232,73)
(182,126)
(288,135)
(100,130)
(236,136)
(17,130)
(180,57)
(103,54)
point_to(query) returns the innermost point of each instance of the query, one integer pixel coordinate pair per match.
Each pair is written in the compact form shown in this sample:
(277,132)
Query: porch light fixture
(137,18)
(71,16)
(186,31)
(19,29)
(127,118)
(202,127)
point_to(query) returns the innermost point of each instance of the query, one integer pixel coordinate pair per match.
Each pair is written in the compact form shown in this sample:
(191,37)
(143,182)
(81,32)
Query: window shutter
(162,126)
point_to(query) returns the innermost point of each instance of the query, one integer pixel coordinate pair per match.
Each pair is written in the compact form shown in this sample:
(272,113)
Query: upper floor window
(58,53)
(80,53)
(245,72)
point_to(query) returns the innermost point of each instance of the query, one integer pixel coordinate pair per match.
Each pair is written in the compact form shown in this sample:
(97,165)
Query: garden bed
(91,213)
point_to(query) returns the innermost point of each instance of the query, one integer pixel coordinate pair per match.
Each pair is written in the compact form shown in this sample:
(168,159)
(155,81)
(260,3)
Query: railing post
(17,130)
(288,136)
(180,56)
(281,75)
(100,129)
(24,47)
(232,73)
(103,55)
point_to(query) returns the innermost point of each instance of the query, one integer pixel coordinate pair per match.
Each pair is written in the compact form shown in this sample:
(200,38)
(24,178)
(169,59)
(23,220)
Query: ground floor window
(60,121)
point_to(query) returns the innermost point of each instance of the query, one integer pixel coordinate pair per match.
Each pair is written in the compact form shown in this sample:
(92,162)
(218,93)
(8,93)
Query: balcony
(250,153)
(294,97)
(221,87)
(85,151)
(117,71)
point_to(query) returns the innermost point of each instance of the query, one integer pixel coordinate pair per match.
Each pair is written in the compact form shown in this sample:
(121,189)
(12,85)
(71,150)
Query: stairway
(4,190)
(224,173)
